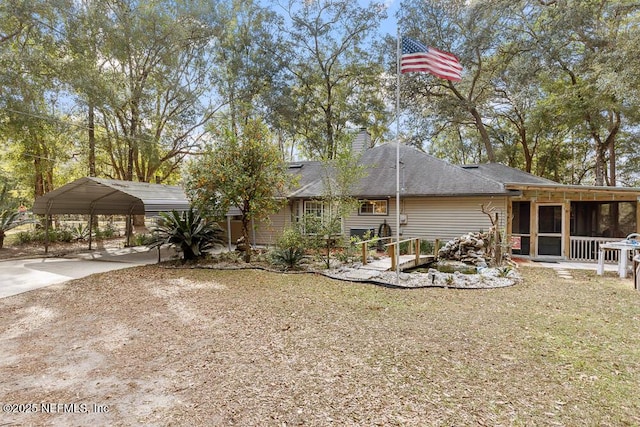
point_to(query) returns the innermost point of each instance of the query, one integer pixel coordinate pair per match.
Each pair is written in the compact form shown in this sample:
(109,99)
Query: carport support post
(47,218)
(46,234)
(128,230)
(129,225)
(90,225)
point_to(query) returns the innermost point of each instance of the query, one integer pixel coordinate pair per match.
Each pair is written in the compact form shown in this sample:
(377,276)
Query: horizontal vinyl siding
(441,218)
(267,232)
(370,221)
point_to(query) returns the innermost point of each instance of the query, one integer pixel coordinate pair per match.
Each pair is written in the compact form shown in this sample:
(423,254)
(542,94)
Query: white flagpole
(397,251)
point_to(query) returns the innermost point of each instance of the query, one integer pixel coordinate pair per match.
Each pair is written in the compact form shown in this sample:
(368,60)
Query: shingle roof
(505,174)
(420,175)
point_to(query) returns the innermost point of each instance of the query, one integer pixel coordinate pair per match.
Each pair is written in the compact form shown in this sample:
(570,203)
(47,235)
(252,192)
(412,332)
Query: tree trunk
(610,142)
(91,118)
(528,156)
(38,178)
(130,154)
(245,236)
(600,170)
(92,141)
(484,135)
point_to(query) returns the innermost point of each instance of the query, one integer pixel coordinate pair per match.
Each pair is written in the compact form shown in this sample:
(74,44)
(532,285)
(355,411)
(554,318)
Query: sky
(389,25)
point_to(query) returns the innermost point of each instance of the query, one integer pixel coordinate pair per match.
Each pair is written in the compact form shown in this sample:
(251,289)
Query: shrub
(288,258)
(61,235)
(143,239)
(504,271)
(10,220)
(426,247)
(39,236)
(25,237)
(291,238)
(289,252)
(189,232)
(107,232)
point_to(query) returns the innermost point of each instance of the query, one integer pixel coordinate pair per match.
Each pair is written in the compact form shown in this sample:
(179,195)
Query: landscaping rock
(469,249)
(485,278)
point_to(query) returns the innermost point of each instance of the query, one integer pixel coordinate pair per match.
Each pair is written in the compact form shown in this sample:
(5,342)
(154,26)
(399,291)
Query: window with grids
(374,207)
(317,215)
(314,208)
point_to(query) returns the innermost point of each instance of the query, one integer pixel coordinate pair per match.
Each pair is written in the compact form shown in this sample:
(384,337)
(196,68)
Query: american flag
(416,57)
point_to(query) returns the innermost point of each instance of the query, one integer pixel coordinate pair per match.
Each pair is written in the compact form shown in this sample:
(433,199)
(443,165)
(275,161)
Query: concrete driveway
(18,276)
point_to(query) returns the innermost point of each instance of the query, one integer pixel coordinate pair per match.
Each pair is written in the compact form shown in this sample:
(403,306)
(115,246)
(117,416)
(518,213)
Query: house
(438,200)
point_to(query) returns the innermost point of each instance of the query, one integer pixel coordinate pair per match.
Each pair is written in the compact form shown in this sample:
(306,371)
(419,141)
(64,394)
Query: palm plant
(288,258)
(189,232)
(8,220)
(289,252)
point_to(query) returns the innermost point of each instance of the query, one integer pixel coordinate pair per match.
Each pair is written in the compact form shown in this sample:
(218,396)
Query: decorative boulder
(469,249)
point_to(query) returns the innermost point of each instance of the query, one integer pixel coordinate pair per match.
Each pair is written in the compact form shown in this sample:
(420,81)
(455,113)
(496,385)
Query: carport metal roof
(100,196)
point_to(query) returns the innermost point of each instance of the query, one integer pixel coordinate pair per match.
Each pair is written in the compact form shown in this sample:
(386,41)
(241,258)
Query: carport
(99,196)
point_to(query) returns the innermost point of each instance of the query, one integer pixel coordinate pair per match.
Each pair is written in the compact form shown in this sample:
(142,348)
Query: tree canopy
(127,89)
(242,170)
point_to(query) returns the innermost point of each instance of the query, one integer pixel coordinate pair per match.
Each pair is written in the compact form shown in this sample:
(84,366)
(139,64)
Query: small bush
(289,252)
(38,236)
(504,271)
(24,237)
(8,221)
(143,239)
(346,255)
(291,237)
(64,235)
(107,232)
(288,258)
(426,247)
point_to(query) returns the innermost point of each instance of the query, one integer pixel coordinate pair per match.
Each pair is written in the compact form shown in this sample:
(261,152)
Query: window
(318,216)
(373,207)
(314,208)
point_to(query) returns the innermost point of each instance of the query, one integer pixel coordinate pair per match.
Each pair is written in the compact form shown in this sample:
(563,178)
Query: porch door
(550,228)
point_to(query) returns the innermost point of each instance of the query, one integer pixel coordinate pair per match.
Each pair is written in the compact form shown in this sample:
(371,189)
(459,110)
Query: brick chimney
(362,142)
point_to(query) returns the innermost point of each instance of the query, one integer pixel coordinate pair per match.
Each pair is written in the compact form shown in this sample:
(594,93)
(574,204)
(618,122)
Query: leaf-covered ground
(159,346)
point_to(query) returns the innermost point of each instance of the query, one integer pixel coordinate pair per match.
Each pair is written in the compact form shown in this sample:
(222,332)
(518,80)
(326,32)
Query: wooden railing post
(365,251)
(417,251)
(436,247)
(392,254)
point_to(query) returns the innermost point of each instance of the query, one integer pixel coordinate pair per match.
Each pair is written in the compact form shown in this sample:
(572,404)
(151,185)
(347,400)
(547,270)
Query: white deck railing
(586,249)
